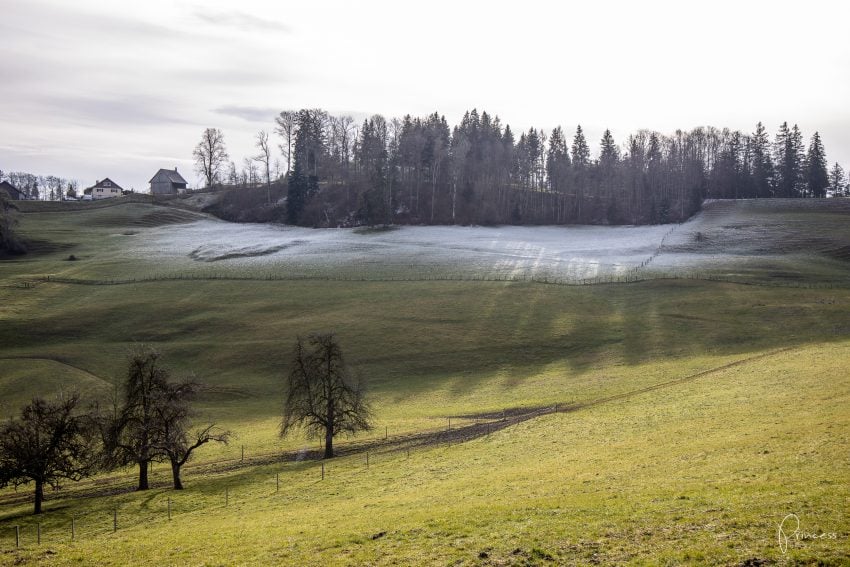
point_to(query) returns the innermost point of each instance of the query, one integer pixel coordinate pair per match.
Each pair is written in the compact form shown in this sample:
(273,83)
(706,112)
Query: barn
(167,182)
(13,192)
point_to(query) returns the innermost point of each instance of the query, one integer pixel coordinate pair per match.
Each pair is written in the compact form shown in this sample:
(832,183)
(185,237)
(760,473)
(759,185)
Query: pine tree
(580,151)
(762,165)
(798,150)
(296,193)
(817,178)
(557,161)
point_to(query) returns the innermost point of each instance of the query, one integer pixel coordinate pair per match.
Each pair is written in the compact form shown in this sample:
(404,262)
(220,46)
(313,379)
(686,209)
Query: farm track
(484,424)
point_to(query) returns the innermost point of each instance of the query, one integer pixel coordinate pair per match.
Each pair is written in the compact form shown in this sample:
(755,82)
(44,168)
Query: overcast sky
(90,89)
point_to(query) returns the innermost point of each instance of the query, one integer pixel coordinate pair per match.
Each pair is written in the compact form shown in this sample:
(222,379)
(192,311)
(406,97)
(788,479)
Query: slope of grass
(700,473)
(694,472)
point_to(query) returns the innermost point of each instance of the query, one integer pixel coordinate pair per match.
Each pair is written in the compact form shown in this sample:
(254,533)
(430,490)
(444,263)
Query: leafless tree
(176,437)
(286,129)
(131,433)
(210,155)
(265,157)
(321,394)
(50,442)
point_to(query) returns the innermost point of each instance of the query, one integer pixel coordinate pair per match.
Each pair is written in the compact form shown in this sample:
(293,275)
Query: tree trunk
(329,444)
(175,473)
(143,475)
(39,496)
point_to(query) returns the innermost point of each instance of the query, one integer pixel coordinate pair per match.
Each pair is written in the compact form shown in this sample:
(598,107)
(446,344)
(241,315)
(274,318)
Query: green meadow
(750,421)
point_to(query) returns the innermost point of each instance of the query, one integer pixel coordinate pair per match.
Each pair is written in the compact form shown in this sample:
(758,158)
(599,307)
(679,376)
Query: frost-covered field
(560,252)
(744,239)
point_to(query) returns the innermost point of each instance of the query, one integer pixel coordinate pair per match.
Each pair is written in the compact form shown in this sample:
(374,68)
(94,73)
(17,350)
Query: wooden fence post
(115,519)
(367,459)
(243,453)
(169,508)
(73,528)
(38,533)
(277,482)
(17,536)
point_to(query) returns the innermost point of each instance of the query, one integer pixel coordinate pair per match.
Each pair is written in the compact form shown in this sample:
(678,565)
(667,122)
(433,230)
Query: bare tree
(176,437)
(210,155)
(132,435)
(49,443)
(286,128)
(265,157)
(321,394)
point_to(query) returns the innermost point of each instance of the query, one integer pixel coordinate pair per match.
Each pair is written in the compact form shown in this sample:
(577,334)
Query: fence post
(17,536)
(277,482)
(72,528)
(38,533)
(367,459)
(243,453)
(323,470)
(386,432)
(115,519)
(169,508)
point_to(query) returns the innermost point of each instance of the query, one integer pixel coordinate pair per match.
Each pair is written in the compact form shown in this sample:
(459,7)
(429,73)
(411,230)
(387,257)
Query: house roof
(170,175)
(12,191)
(105,184)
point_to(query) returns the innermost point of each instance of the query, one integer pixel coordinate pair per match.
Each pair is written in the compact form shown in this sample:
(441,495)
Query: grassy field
(699,471)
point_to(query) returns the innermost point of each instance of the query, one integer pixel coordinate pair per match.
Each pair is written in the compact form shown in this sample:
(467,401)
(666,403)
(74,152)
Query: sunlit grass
(697,472)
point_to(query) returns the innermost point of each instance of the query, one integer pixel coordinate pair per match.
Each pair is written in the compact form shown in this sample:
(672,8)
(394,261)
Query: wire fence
(65,525)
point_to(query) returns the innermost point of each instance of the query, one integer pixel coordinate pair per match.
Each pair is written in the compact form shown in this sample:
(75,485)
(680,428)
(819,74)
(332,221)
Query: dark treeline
(420,170)
(40,187)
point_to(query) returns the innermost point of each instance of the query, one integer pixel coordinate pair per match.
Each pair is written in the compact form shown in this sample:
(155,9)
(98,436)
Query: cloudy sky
(90,89)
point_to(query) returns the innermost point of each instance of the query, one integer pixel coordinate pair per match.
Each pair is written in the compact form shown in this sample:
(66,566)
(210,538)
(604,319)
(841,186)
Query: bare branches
(321,396)
(210,155)
(50,442)
(265,157)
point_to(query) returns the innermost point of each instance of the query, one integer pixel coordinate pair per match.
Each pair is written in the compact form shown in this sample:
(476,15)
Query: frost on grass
(747,239)
(577,252)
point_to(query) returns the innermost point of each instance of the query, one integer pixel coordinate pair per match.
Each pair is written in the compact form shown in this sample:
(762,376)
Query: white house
(104,190)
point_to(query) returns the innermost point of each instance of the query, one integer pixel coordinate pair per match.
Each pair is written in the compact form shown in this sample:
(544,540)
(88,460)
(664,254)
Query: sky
(92,89)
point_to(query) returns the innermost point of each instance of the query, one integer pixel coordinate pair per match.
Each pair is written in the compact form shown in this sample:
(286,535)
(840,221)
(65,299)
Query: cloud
(241,20)
(249,113)
(126,110)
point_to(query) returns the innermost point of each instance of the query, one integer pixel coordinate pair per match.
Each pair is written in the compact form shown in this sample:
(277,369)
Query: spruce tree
(817,178)
(580,151)
(762,165)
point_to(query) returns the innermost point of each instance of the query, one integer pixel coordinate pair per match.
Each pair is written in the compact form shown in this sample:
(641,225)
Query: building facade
(167,182)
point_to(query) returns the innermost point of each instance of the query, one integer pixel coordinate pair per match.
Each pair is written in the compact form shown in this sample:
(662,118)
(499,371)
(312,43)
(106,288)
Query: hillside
(693,414)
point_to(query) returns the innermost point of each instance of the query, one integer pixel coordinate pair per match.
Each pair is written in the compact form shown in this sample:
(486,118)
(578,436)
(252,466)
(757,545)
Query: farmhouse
(13,192)
(167,182)
(104,190)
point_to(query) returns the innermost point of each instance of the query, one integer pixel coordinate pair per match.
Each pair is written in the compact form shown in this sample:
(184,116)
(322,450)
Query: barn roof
(170,175)
(11,190)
